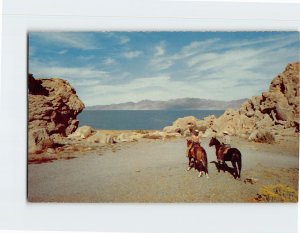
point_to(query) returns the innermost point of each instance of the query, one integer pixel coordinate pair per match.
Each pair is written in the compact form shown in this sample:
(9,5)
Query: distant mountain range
(173,104)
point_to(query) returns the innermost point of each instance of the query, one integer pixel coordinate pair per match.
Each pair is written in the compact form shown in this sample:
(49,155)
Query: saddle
(222,151)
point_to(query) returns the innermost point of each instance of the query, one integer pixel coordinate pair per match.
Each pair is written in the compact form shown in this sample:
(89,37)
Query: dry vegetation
(277,193)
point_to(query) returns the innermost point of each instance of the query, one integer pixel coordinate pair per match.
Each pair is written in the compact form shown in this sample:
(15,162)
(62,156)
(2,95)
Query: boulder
(187,133)
(128,137)
(83,132)
(209,120)
(172,129)
(287,84)
(264,123)
(99,137)
(228,121)
(38,141)
(181,125)
(52,109)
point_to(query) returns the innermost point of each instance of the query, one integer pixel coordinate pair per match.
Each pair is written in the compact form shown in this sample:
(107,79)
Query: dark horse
(197,158)
(233,155)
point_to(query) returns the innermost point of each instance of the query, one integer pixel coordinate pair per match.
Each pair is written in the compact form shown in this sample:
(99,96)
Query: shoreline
(79,145)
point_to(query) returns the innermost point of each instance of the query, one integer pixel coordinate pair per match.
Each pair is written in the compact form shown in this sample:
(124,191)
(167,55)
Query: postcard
(163,117)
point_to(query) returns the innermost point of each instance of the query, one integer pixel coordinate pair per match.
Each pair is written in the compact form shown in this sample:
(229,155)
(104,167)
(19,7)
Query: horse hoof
(207,176)
(189,168)
(200,174)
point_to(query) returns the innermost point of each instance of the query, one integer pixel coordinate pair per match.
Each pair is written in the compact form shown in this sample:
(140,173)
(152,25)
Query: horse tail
(204,159)
(201,157)
(239,162)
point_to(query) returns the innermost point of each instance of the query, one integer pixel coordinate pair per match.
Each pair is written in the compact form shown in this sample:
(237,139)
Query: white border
(21,16)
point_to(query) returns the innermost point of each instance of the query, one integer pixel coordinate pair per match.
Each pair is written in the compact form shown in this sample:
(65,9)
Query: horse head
(214,141)
(188,142)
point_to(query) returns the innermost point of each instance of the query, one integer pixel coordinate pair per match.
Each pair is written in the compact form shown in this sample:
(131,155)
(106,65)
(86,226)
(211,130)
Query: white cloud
(109,61)
(124,39)
(77,74)
(154,88)
(132,54)
(159,49)
(61,52)
(211,69)
(67,39)
(196,47)
(242,57)
(161,63)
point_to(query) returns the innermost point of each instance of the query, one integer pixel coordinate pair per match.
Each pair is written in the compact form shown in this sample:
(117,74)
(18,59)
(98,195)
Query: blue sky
(116,67)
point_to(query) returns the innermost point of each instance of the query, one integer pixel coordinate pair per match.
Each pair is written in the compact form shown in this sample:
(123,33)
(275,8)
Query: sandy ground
(155,171)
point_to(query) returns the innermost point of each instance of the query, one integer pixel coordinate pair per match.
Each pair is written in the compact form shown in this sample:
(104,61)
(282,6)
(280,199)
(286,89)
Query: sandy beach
(156,171)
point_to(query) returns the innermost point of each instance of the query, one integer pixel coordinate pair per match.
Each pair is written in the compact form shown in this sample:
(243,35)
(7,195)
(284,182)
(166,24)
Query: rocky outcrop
(274,112)
(100,136)
(82,132)
(52,110)
(103,138)
(181,125)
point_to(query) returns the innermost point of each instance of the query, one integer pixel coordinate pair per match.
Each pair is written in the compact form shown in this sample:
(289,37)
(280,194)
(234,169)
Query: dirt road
(155,171)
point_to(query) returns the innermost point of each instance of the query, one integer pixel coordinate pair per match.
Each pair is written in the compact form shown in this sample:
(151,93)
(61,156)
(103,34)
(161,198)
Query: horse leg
(235,169)
(190,164)
(219,166)
(200,168)
(223,165)
(239,163)
(206,171)
(200,173)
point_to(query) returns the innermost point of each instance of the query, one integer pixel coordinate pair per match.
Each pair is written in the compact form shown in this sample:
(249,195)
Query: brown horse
(197,158)
(233,155)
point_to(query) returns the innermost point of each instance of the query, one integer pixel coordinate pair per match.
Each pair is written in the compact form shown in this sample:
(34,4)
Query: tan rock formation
(181,125)
(275,112)
(278,106)
(82,132)
(52,110)
(100,137)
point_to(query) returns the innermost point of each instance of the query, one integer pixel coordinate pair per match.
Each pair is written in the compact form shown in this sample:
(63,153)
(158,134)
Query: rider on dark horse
(195,141)
(226,143)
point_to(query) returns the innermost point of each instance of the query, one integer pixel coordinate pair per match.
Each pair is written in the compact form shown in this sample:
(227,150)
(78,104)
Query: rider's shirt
(196,138)
(226,139)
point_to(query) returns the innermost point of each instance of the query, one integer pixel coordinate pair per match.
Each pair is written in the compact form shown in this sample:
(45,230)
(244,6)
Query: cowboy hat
(225,132)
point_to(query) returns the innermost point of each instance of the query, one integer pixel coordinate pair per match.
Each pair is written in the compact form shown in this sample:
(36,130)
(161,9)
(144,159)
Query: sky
(117,67)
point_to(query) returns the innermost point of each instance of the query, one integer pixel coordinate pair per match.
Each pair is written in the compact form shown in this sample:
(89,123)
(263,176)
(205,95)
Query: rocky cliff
(52,109)
(274,112)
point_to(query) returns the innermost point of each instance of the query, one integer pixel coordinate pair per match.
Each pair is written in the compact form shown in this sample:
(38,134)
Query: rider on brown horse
(195,140)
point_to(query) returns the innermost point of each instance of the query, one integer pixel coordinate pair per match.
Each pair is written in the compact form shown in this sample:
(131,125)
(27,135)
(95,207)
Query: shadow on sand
(225,168)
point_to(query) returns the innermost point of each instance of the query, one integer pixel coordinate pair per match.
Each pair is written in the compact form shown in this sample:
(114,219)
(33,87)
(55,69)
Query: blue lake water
(138,119)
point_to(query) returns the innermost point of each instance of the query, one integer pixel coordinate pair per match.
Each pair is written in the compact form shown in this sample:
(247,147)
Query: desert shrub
(266,137)
(262,136)
(277,193)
